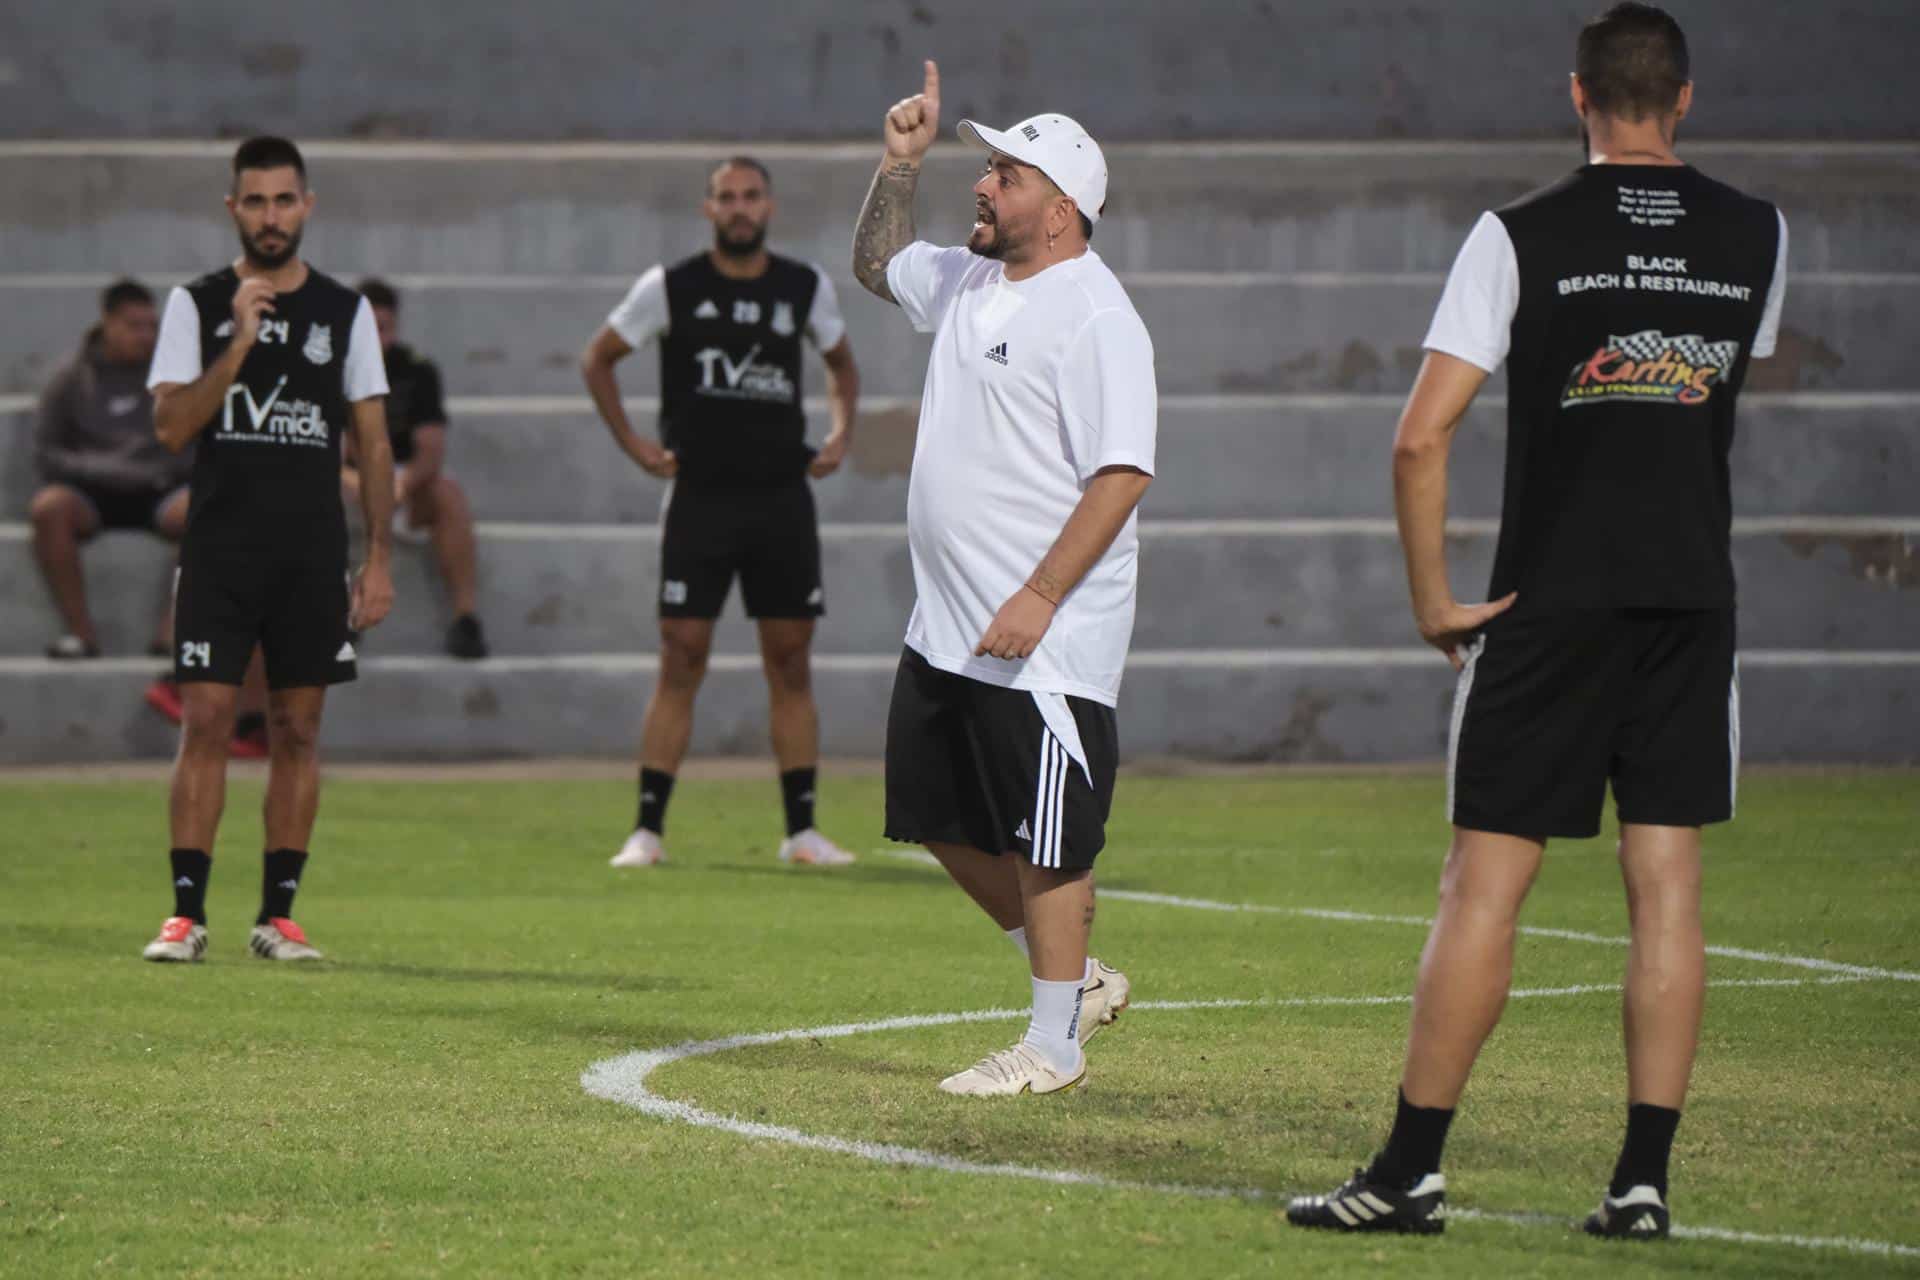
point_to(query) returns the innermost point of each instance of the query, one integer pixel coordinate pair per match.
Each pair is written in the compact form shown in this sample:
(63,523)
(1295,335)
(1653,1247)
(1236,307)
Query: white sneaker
(1103,999)
(642,849)
(810,848)
(181,941)
(1021,1069)
(281,939)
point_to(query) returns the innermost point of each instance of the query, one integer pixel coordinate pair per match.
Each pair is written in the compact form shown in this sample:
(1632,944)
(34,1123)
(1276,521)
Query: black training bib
(267,466)
(730,366)
(1641,289)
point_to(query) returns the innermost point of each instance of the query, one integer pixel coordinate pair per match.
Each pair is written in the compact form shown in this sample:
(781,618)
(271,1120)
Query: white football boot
(1021,1069)
(642,849)
(181,941)
(811,849)
(1103,998)
(281,939)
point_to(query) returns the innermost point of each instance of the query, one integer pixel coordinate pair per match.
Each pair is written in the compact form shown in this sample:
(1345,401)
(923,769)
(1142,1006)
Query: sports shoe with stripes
(281,939)
(181,941)
(811,849)
(1638,1215)
(1010,1072)
(1103,999)
(1361,1204)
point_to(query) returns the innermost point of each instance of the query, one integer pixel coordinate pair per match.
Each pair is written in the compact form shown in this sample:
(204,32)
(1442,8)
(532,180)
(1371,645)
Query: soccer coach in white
(1036,442)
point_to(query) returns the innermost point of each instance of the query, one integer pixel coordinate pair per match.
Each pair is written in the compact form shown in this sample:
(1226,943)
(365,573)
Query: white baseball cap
(1057,146)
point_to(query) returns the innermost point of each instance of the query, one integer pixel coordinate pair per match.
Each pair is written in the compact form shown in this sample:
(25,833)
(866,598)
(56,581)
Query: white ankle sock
(1055,1026)
(1018,937)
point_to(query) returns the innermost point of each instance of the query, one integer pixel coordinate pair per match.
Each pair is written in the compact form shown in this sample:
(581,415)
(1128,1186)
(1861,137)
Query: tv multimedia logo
(1649,365)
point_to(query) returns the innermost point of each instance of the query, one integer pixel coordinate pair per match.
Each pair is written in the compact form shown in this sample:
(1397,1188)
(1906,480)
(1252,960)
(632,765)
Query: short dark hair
(124,293)
(1086,225)
(740,162)
(269,152)
(1632,61)
(379,293)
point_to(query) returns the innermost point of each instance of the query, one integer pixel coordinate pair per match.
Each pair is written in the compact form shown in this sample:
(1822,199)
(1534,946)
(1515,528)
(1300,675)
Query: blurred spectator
(100,465)
(429,501)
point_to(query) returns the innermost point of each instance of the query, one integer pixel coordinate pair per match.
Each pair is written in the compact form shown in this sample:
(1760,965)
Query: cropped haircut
(124,293)
(1632,62)
(741,162)
(380,294)
(268,152)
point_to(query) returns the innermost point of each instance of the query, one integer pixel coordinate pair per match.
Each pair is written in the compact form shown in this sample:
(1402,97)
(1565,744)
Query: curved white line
(1536,931)
(624,1080)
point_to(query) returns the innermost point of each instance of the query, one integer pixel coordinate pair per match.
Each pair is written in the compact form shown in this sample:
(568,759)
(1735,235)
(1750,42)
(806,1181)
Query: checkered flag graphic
(1694,349)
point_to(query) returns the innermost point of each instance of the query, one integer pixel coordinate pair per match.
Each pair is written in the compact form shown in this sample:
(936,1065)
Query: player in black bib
(266,363)
(730,323)
(1626,300)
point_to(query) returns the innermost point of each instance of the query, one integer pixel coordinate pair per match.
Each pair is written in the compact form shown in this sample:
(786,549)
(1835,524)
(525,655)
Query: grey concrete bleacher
(536,459)
(1226,333)
(607,209)
(553,589)
(1287,288)
(827,68)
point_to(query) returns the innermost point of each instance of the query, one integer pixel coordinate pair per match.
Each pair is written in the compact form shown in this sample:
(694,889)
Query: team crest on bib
(782,322)
(319,348)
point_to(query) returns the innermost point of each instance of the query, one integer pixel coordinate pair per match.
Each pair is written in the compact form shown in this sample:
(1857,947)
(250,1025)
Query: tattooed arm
(886,219)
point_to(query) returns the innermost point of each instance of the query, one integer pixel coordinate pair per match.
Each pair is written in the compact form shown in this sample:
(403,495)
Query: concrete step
(826,69)
(522,335)
(572,209)
(532,458)
(549,589)
(1348,705)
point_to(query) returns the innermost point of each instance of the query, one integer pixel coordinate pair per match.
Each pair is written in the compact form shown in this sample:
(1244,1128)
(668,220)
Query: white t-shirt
(642,315)
(1033,386)
(176,351)
(1474,320)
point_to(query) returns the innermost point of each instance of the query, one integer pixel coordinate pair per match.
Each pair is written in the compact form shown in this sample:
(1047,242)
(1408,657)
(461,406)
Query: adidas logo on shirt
(706,311)
(998,354)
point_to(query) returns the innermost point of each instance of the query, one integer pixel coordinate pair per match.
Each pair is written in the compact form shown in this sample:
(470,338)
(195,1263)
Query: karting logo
(1650,366)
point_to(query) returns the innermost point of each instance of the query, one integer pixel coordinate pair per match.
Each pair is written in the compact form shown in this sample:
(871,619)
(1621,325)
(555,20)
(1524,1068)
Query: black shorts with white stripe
(974,764)
(1552,707)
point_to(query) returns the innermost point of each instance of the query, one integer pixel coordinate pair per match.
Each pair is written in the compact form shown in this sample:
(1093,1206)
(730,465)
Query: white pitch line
(623,1080)
(1854,971)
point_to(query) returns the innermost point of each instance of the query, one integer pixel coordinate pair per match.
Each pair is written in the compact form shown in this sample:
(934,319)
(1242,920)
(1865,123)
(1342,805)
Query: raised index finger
(931,89)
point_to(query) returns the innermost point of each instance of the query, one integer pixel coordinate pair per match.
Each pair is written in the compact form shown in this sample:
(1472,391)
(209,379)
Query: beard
(990,240)
(739,244)
(269,259)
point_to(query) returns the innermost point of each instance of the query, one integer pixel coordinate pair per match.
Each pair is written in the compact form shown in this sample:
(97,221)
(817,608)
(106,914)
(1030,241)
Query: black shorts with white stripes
(974,764)
(1552,707)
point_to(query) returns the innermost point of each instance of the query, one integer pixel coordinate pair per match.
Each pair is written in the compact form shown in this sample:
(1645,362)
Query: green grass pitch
(414,1106)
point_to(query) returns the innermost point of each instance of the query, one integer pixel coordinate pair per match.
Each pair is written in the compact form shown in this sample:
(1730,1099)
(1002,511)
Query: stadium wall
(818,69)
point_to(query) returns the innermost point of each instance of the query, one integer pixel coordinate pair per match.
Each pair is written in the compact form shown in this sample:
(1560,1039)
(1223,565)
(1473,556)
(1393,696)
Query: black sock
(796,792)
(1644,1155)
(279,881)
(1413,1148)
(191,867)
(655,786)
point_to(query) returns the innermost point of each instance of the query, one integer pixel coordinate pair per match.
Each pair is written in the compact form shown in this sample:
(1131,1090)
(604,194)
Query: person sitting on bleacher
(429,501)
(100,465)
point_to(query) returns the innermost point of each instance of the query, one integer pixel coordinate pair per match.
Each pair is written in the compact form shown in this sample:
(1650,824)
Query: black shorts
(974,764)
(126,509)
(294,608)
(770,537)
(1553,707)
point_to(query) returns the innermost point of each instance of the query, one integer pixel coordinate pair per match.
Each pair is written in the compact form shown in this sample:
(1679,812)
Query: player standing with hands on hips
(266,363)
(1035,445)
(1626,300)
